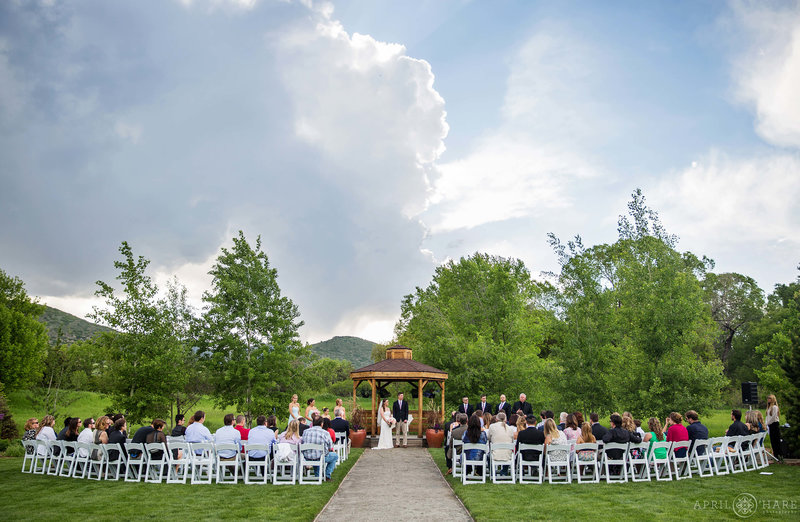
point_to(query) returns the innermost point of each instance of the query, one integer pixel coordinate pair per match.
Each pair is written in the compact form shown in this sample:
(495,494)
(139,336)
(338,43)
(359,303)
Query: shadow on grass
(28,496)
(777,497)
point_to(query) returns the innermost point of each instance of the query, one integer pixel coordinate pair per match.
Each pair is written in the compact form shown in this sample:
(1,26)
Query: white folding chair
(500,465)
(748,455)
(554,459)
(660,464)
(115,464)
(136,462)
(475,476)
(98,457)
(456,453)
(530,471)
(586,457)
(638,465)
(68,459)
(735,456)
(341,445)
(180,462)
(81,467)
(285,471)
(227,467)
(157,462)
(700,458)
(56,457)
(760,451)
(203,460)
(29,456)
(308,465)
(680,464)
(609,463)
(258,468)
(42,456)
(719,455)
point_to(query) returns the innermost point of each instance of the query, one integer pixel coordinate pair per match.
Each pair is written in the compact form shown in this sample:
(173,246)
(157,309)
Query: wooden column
(441,383)
(372,427)
(355,385)
(419,398)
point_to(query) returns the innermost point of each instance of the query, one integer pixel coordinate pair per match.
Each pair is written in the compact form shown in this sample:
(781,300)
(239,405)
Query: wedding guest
(530,435)
(100,435)
(46,432)
(499,432)
(542,418)
(239,426)
(86,435)
(302,425)
(272,423)
(761,424)
(656,434)
(340,406)
(562,420)
(639,429)
(751,421)
(196,431)
(326,425)
(571,427)
(695,429)
(262,434)
(620,435)
(456,433)
(31,426)
(552,435)
(311,409)
(585,437)
(63,432)
(157,436)
(598,430)
(339,424)
(140,437)
(474,435)
(117,439)
(578,419)
(227,434)
(519,424)
(292,434)
(487,419)
(179,430)
(72,432)
(316,435)
(774,425)
(676,431)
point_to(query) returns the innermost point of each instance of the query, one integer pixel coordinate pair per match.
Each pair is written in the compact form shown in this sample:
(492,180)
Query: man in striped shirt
(316,435)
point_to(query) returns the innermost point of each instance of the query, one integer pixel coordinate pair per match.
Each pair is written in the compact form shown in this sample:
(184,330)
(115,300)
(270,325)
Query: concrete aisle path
(394,484)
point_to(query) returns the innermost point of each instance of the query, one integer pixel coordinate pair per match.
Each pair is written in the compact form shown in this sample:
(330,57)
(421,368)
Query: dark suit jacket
(340,425)
(468,409)
(488,407)
(524,406)
(400,414)
(506,408)
(530,435)
(697,431)
(599,431)
(620,435)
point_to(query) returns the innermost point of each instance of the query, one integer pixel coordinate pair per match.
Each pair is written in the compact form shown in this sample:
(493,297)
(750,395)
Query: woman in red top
(676,432)
(326,425)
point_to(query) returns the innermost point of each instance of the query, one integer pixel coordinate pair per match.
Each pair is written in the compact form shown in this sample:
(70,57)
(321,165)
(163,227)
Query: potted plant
(357,430)
(434,435)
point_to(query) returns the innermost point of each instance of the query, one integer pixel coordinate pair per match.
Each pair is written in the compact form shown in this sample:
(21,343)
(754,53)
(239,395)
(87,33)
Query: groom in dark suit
(400,414)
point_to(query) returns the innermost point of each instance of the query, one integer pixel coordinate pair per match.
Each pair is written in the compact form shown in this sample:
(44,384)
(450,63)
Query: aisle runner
(394,484)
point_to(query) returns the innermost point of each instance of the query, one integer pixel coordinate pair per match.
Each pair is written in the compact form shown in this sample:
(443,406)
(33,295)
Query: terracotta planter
(435,438)
(357,438)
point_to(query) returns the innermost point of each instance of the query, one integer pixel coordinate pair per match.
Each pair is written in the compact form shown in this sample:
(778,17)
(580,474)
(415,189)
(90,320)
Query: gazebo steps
(413,442)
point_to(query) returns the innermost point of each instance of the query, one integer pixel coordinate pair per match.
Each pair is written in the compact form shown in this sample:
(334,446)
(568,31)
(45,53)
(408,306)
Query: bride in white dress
(386,422)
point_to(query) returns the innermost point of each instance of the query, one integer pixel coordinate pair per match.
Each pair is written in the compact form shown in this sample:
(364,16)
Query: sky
(369,141)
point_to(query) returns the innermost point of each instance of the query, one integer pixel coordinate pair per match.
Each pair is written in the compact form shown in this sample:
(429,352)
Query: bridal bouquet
(392,422)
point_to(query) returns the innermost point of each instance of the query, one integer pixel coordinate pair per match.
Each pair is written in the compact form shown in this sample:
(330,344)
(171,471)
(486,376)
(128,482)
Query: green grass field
(709,498)
(27,496)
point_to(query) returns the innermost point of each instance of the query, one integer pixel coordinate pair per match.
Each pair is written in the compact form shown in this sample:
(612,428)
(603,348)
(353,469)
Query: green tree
(23,339)
(250,336)
(480,320)
(736,303)
(638,334)
(148,351)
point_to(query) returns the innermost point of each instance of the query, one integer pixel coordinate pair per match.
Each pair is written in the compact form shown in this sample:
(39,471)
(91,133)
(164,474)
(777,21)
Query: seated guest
(676,431)
(696,429)
(578,419)
(629,424)
(519,424)
(738,427)
(292,434)
(227,434)
(751,421)
(456,433)
(239,426)
(639,429)
(619,435)
(100,434)
(316,435)
(499,432)
(542,418)
(117,439)
(63,432)
(552,435)
(261,434)
(31,425)
(571,427)
(474,435)
(157,436)
(302,425)
(112,419)
(72,432)
(562,421)
(656,434)
(196,432)
(272,423)
(179,430)
(46,432)
(487,419)
(598,430)
(585,437)
(530,435)
(326,425)
(140,437)
(86,435)
(339,424)
(760,419)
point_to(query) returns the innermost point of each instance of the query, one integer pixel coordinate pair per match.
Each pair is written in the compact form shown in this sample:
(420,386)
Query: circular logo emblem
(744,505)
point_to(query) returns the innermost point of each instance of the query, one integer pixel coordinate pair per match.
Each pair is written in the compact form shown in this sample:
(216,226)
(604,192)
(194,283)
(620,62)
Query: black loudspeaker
(750,392)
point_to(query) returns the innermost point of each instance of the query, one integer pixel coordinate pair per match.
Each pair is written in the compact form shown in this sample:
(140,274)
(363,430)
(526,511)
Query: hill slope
(353,349)
(72,328)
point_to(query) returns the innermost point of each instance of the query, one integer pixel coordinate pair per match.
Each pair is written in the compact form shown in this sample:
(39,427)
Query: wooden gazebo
(399,367)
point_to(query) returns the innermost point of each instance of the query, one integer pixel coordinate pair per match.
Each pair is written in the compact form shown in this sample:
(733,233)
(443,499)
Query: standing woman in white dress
(386,420)
(774,425)
(294,410)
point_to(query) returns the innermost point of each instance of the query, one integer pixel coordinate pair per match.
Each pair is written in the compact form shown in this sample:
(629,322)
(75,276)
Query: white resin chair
(157,462)
(256,471)
(586,459)
(700,458)
(136,462)
(41,456)
(67,464)
(530,471)
(29,456)
(556,457)
(456,453)
(473,471)
(81,467)
(56,457)
(680,464)
(203,460)
(660,465)
(719,455)
(228,467)
(284,470)
(308,466)
(498,465)
(98,458)
(116,466)
(180,462)
(620,465)
(638,464)
(735,456)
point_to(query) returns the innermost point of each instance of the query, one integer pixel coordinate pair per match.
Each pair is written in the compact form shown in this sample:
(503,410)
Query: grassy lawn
(26,496)
(697,498)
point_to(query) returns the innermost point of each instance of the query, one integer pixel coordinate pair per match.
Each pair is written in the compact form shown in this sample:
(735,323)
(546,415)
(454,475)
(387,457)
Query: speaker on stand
(750,393)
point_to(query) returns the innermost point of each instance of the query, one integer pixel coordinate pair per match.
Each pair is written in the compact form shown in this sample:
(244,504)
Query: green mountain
(72,328)
(353,349)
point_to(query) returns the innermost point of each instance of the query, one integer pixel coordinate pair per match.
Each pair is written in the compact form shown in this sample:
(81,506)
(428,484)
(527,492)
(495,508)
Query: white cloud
(129,132)
(767,73)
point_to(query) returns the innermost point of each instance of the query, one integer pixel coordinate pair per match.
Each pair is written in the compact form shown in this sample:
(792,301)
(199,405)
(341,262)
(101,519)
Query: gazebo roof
(399,366)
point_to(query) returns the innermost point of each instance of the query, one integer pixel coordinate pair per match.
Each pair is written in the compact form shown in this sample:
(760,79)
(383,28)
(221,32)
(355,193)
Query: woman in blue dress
(294,409)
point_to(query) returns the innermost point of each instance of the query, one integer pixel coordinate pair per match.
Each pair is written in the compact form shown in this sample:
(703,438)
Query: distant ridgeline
(72,328)
(353,349)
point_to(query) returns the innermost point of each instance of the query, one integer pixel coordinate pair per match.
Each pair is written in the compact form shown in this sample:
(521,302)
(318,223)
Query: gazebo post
(441,383)
(355,385)
(419,397)
(372,424)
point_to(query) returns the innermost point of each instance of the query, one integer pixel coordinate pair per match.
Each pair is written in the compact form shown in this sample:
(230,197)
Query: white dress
(385,440)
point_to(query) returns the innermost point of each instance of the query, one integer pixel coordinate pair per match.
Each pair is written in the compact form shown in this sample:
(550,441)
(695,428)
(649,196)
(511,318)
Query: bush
(3,445)
(15,449)
(341,389)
